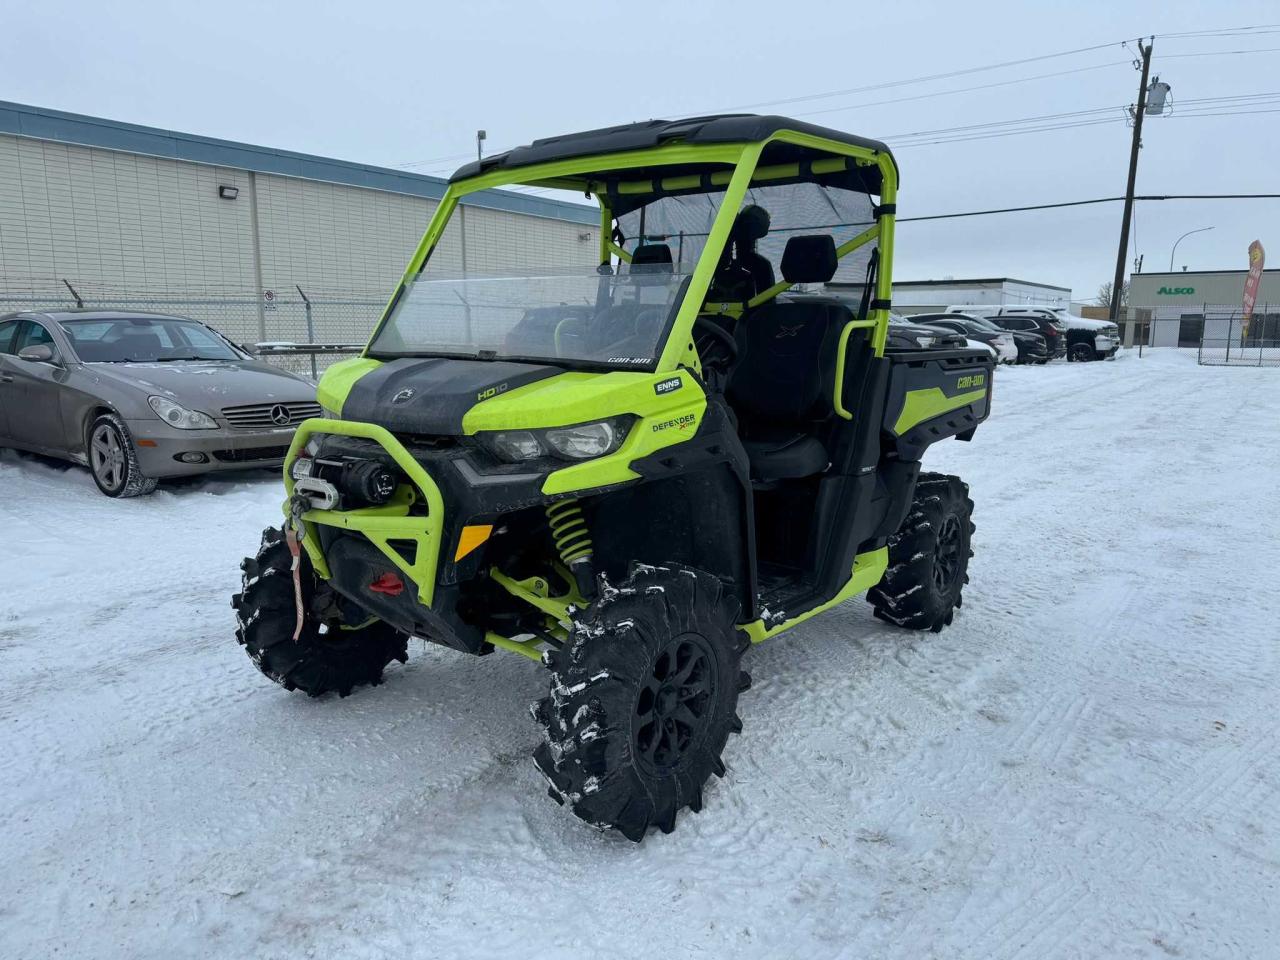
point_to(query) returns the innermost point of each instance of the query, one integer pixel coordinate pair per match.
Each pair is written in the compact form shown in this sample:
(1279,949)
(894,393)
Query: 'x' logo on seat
(785,331)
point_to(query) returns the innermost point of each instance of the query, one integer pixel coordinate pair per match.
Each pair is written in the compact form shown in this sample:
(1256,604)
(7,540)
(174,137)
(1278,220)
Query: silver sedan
(138,397)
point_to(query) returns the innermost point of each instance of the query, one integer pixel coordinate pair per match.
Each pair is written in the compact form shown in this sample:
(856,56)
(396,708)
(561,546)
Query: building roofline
(1192,273)
(967,280)
(39,123)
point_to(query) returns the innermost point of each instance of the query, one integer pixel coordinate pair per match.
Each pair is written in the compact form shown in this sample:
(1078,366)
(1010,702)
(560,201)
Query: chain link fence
(1218,333)
(303,332)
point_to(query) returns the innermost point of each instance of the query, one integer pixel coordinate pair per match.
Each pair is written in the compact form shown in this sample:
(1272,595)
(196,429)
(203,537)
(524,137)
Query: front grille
(251,455)
(259,416)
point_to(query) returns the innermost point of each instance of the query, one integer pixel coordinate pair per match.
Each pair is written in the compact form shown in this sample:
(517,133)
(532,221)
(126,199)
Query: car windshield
(145,340)
(581,316)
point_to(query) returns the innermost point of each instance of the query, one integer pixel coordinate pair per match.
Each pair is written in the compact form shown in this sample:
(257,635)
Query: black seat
(140,346)
(744,272)
(651,258)
(782,385)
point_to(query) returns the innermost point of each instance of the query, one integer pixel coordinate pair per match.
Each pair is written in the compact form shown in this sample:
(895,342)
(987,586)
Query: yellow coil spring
(569,531)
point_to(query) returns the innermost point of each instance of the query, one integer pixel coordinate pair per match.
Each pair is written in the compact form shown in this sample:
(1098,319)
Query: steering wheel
(716,346)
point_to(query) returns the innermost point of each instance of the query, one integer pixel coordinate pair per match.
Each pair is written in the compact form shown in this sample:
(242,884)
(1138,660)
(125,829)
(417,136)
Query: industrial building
(926,296)
(233,233)
(1179,309)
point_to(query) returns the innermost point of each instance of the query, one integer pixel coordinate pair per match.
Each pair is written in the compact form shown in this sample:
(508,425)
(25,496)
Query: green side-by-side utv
(632,468)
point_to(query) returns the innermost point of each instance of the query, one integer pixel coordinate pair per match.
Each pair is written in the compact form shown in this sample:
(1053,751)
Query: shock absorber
(573,542)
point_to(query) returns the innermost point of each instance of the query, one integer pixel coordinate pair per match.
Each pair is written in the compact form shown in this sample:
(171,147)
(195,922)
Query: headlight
(516,445)
(176,415)
(584,442)
(926,341)
(581,442)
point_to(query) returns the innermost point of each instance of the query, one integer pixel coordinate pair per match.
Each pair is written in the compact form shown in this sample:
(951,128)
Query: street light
(1180,239)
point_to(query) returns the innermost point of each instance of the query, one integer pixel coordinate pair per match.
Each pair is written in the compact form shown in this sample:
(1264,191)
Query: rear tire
(643,699)
(928,557)
(329,655)
(113,460)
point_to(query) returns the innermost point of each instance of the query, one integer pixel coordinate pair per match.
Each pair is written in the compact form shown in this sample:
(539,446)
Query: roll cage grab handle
(745,157)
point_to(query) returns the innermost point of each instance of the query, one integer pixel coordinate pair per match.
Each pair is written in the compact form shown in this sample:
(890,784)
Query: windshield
(145,339)
(579,316)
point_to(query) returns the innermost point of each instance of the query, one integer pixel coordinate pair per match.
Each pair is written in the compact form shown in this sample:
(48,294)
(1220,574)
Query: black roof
(724,128)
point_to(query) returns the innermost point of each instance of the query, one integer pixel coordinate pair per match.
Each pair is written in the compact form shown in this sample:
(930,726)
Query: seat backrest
(787,360)
(651,258)
(141,346)
(787,349)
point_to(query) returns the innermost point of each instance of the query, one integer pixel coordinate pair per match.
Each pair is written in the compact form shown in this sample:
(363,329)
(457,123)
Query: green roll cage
(576,174)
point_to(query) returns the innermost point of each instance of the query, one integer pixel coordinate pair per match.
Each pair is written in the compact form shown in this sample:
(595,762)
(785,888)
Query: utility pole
(1117,287)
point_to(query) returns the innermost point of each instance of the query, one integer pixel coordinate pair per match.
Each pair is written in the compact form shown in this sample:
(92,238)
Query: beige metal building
(118,213)
(1178,309)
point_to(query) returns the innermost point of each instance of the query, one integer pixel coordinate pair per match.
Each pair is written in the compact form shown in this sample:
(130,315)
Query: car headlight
(176,415)
(926,341)
(580,442)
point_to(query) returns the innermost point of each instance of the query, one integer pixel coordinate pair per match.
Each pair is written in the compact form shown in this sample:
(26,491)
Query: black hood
(431,396)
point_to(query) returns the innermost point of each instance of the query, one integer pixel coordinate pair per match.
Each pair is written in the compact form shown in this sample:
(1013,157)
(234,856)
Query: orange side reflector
(146,443)
(472,537)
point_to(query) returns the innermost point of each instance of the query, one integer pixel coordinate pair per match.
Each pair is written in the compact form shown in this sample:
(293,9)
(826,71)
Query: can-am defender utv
(632,468)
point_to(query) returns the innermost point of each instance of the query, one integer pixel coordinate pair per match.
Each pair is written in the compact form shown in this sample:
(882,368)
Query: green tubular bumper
(391,521)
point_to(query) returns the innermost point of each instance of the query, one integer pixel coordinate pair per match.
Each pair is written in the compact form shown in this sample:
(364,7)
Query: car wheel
(112,459)
(1082,352)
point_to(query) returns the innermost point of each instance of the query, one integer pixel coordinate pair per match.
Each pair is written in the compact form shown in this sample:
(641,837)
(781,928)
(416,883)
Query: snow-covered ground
(1084,765)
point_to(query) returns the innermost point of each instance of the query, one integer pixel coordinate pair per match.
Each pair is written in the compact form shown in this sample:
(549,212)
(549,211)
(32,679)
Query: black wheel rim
(674,704)
(946,555)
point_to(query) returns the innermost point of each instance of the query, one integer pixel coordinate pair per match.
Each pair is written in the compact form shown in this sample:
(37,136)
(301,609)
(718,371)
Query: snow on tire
(329,655)
(643,698)
(928,557)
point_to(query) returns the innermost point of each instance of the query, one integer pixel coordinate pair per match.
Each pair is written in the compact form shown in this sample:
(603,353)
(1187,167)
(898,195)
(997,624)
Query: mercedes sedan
(139,397)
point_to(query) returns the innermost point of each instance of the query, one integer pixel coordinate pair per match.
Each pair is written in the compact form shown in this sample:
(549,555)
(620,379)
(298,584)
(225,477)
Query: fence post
(1266,312)
(311,329)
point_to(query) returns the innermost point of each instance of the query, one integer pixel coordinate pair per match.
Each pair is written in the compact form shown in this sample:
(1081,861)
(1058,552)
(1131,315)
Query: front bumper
(415,514)
(1105,345)
(159,448)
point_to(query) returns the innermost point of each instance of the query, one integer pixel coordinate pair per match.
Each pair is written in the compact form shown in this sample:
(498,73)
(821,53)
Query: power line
(1194,34)
(1200,106)
(1218,53)
(948,93)
(1221,31)
(924,79)
(1083,203)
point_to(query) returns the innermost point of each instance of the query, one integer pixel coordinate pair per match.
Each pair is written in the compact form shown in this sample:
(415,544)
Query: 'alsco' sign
(1175,291)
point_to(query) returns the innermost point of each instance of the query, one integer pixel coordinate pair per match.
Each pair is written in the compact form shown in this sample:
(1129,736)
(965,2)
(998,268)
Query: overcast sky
(409,83)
